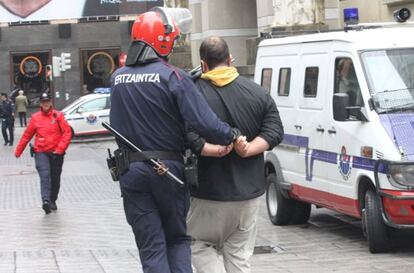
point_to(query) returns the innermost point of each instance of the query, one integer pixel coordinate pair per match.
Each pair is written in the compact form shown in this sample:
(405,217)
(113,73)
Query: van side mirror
(80,110)
(340,104)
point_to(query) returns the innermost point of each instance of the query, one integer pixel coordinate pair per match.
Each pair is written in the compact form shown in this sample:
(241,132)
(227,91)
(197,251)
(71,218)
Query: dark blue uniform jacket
(6,109)
(151,103)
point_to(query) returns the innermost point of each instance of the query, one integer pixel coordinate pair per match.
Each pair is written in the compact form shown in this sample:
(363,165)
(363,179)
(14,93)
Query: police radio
(190,169)
(113,169)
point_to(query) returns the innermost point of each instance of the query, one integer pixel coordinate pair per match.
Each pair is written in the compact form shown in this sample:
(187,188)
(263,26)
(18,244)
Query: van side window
(311,81)
(266,82)
(284,82)
(346,81)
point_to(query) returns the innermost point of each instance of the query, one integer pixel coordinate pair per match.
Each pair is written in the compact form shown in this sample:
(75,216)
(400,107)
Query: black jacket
(6,109)
(250,108)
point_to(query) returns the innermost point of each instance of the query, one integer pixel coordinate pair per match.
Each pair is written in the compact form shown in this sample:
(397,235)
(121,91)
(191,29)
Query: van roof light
(351,16)
(402,15)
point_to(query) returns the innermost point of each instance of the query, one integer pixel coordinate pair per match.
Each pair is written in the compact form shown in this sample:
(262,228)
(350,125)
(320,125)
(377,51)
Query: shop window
(29,74)
(97,67)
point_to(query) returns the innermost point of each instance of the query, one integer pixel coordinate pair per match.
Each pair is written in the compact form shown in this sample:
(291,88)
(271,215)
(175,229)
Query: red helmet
(157,29)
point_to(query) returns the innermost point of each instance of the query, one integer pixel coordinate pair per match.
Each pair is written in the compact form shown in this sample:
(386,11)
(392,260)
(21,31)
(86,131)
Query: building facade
(95,49)
(98,42)
(95,35)
(243,22)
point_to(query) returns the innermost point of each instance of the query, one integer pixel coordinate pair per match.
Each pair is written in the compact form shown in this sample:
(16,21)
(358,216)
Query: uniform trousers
(7,125)
(49,167)
(224,234)
(156,208)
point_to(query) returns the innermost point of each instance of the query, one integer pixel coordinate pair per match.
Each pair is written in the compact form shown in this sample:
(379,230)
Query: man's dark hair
(214,51)
(3,94)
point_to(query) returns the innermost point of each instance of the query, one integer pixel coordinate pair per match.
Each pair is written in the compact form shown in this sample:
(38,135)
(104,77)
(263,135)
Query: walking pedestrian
(52,137)
(224,207)
(21,108)
(7,119)
(151,101)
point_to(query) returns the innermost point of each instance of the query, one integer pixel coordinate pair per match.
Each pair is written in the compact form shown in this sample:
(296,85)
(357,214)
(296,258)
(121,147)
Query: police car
(86,114)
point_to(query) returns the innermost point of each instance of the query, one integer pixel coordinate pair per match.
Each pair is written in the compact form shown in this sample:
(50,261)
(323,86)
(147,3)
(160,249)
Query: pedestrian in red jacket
(52,138)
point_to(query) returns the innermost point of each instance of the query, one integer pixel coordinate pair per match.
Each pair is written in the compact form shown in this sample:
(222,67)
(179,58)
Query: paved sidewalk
(89,232)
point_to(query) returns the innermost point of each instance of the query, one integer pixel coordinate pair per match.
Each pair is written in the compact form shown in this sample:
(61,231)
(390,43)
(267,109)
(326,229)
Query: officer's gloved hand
(236,133)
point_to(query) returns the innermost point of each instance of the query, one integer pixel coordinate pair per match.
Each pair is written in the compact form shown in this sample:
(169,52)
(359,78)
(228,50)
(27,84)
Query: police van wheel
(279,208)
(301,214)
(376,230)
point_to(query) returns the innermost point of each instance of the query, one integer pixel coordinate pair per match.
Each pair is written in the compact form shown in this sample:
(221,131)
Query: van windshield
(391,78)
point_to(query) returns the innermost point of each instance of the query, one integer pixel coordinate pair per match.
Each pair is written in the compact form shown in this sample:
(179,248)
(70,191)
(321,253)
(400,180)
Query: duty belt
(162,155)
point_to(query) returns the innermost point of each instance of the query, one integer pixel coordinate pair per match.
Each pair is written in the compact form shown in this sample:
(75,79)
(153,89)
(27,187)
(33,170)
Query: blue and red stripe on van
(326,156)
(400,212)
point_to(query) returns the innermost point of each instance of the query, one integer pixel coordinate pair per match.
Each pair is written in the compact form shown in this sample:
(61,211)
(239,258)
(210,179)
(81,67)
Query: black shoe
(53,206)
(46,207)
(5,143)
(10,144)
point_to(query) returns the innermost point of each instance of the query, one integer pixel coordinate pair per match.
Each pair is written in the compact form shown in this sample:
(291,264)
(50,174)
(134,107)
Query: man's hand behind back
(241,146)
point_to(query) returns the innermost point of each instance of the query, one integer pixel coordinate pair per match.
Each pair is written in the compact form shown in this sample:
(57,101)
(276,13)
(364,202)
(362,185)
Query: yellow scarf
(221,76)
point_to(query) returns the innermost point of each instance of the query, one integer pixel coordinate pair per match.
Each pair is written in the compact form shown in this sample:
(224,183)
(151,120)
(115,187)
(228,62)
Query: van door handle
(320,129)
(332,131)
(298,127)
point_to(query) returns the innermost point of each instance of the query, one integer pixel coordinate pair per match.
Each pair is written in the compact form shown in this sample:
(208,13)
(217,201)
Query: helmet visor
(181,16)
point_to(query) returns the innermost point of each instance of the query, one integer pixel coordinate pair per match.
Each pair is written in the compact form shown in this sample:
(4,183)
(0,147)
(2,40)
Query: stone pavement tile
(7,258)
(401,269)
(360,270)
(99,260)
(268,268)
(36,268)
(302,266)
(123,268)
(285,256)
(40,260)
(80,268)
(265,263)
(7,269)
(395,266)
(112,260)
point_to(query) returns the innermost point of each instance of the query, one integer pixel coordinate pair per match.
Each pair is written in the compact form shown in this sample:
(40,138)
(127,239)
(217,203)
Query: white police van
(86,114)
(346,99)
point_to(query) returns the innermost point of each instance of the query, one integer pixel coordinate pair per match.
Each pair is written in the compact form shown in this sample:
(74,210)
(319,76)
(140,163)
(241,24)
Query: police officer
(151,102)
(7,119)
(52,137)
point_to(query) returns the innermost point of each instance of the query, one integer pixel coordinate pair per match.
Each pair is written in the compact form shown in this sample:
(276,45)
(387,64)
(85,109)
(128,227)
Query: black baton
(157,165)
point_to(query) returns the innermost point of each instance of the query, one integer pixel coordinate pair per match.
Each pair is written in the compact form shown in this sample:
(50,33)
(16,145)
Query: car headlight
(401,174)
